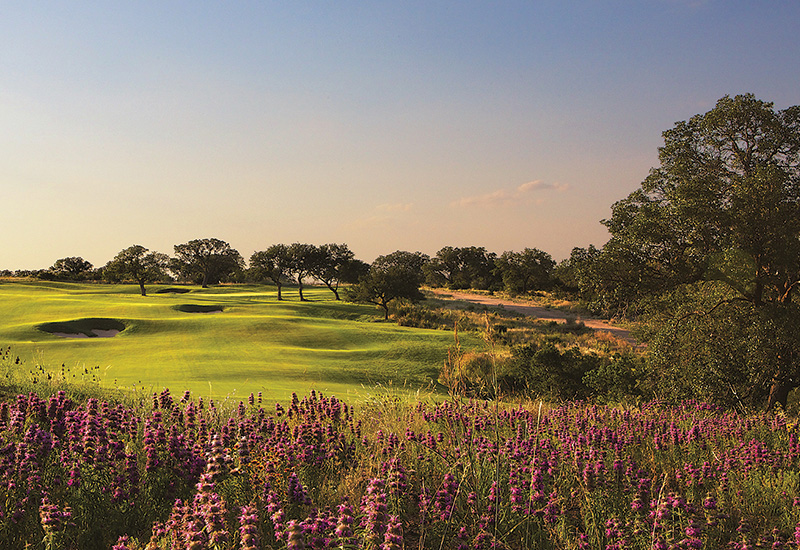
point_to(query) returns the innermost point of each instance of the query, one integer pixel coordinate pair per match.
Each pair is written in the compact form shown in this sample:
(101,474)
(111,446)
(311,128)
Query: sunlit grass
(255,344)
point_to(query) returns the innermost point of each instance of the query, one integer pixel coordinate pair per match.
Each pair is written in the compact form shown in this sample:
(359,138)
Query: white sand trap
(96,331)
(100,333)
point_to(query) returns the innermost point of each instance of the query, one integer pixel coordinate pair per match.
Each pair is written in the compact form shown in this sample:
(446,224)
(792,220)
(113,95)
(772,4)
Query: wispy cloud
(507,196)
(381,215)
(396,207)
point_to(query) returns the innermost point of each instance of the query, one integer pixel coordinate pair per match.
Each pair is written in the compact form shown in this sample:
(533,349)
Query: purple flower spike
(122,543)
(393,539)
(248,527)
(295,538)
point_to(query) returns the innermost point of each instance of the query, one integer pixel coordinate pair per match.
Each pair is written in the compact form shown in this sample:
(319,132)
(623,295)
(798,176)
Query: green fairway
(222,341)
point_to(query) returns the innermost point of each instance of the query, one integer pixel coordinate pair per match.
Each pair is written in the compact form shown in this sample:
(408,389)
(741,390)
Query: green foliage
(713,237)
(395,276)
(273,264)
(304,259)
(73,268)
(138,264)
(620,378)
(709,343)
(206,261)
(547,371)
(337,264)
(526,271)
(460,268)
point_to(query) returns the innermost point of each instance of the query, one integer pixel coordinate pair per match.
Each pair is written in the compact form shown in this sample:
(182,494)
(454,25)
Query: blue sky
(384,125)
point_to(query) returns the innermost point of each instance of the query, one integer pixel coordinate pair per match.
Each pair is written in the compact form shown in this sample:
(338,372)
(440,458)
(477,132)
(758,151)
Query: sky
(387,126)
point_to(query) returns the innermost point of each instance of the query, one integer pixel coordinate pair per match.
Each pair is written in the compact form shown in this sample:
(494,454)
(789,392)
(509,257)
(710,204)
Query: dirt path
(537,312)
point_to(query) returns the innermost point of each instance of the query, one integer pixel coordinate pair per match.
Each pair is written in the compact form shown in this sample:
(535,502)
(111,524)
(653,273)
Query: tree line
(398,275)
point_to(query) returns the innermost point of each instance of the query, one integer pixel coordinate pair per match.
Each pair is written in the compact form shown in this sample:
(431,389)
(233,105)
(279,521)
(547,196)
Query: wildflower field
(174,472)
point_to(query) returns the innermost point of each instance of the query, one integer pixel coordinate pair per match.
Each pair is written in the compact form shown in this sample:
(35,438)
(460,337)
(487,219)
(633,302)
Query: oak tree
(274,264)
(73,268)
(525,271)
(304,259)
(206,260)
(391,277)
(711,240)
(337,264)
(138,264)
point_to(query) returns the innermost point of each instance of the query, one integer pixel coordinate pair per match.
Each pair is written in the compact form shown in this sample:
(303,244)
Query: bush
(620,377)
(551,372)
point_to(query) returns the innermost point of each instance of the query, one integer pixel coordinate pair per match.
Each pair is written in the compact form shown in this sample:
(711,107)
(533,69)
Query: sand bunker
(197,308)
(84,328)
(173,290)
(98,333)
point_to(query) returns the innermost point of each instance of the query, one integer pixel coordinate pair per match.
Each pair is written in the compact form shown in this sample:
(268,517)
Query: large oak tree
(206,260)
(391,277)
(304,259)
(337,264)
(712,237)
(138,264)
(71,268)
(274,263)
(458,268)
(525,271)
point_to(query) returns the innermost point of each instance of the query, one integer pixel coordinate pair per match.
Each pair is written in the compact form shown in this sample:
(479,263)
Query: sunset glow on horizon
(386,126)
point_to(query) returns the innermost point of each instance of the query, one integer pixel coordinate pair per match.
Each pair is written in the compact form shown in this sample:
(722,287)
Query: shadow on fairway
(197,308)
(173,290)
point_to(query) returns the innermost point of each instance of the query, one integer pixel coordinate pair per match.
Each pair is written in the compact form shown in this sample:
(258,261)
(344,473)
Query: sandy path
(537,312)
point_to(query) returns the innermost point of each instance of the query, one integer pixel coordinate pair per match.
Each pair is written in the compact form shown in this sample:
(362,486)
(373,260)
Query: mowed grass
(256,343)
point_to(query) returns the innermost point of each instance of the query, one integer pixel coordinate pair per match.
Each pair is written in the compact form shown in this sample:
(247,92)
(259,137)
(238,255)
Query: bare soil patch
(536,312)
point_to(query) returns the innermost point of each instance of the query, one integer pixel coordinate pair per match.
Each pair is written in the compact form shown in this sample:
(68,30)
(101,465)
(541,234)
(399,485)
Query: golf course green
(225,341)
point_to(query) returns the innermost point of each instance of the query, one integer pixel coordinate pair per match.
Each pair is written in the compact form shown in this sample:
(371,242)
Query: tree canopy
(467,267)
(712,236)
(525,271)
(139,264)
(72,267)
(274,263)
(207,261)
(337,264)
(304,259)
(391,277)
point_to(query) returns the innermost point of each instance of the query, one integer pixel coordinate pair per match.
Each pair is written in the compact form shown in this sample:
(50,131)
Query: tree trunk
(279,291)
(778,394)
(300,288)
(333,289)
(205,280)
(141,287)
(385,311)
